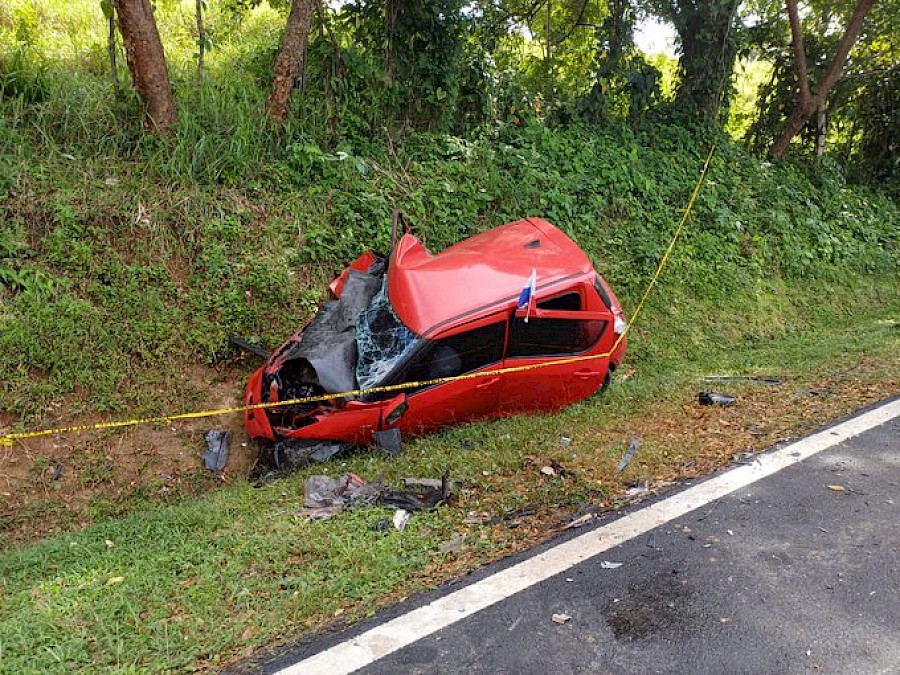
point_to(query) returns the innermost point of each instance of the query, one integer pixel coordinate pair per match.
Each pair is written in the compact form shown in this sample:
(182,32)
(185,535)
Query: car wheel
(607,379)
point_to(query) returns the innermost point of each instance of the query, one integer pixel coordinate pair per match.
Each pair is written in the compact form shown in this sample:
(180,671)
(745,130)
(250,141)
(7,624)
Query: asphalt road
(798,572)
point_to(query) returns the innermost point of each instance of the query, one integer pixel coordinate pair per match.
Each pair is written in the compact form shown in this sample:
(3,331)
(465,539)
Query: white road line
(393,635)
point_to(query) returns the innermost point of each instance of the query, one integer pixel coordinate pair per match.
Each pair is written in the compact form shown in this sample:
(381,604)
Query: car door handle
(486,384)
(587,374)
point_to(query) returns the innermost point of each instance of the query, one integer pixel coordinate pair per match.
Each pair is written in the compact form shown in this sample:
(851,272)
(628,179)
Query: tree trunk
(821,131)
(808,102)
(113,66)
(708,50)
(147,63)
(289,58)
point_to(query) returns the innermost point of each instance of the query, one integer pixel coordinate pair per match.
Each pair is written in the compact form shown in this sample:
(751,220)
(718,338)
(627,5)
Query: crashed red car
(414,316)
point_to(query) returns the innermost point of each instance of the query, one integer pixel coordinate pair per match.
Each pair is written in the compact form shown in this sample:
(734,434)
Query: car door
(560,329)
(475,348)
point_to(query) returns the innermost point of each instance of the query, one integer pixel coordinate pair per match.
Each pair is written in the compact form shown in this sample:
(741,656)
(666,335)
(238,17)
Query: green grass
(176,587)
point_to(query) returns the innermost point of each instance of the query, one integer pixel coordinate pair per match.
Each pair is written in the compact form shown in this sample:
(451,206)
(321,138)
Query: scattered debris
(478,518)
(251,347)
(565,441)
(743,378)
(389,440)
(824,392)
(579,521)
(321,491)
(216,455)
(57,472)
(633,447)
(837,488)
(561,618)
(433,483)
(713,398)
(325,496)
(638,489)
(296,453)
(744,458)
(401,518)
(417,500)
(382,525)
(549,468)
(453,544)
(607,565)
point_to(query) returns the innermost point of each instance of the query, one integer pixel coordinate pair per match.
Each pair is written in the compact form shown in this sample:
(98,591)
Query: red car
(519,294)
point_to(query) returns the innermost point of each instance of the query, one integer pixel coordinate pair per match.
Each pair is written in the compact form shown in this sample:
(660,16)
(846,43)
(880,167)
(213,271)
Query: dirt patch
(61,482)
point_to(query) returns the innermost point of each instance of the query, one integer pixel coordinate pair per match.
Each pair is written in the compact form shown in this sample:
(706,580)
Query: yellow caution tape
(8,439)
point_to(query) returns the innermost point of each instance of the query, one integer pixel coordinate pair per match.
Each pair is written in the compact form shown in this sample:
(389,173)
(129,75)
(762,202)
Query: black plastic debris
(216,455)
(423,498)
(296,453)
(713,398)
(382,525)
(633,447)
(251,347)
(389,440)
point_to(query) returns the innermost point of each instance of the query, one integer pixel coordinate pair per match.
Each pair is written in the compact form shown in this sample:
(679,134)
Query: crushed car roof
(431,291)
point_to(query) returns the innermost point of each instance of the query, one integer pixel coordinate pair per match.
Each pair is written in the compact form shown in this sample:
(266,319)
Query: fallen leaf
(837,488)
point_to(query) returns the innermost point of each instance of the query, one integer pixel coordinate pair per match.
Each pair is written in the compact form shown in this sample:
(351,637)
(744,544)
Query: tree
(706,33)
(808,101)
(147,63)
(289,58)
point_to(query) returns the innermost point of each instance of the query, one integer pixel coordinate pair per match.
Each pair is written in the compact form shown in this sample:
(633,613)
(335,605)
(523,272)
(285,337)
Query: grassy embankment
(777,275)
(125,262)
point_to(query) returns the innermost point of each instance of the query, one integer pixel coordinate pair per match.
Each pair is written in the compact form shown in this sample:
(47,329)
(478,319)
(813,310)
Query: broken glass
(382,341)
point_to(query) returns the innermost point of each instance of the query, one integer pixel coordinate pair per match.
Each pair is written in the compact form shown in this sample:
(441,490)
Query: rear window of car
(551,337)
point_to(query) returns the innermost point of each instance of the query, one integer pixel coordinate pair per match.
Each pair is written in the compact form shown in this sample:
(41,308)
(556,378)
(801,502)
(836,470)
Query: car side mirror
(395,409)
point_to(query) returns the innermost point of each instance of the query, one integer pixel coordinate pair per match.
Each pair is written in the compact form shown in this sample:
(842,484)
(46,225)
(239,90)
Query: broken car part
(712,398)
(216,455)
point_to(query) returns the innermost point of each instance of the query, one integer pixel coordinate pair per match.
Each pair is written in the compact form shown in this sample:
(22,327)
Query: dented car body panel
(419,316)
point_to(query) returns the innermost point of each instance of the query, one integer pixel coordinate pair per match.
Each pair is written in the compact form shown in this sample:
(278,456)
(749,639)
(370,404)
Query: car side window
(550,337)
(458,354)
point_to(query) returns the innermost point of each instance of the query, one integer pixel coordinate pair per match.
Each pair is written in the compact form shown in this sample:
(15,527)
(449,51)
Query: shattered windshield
(382,340)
